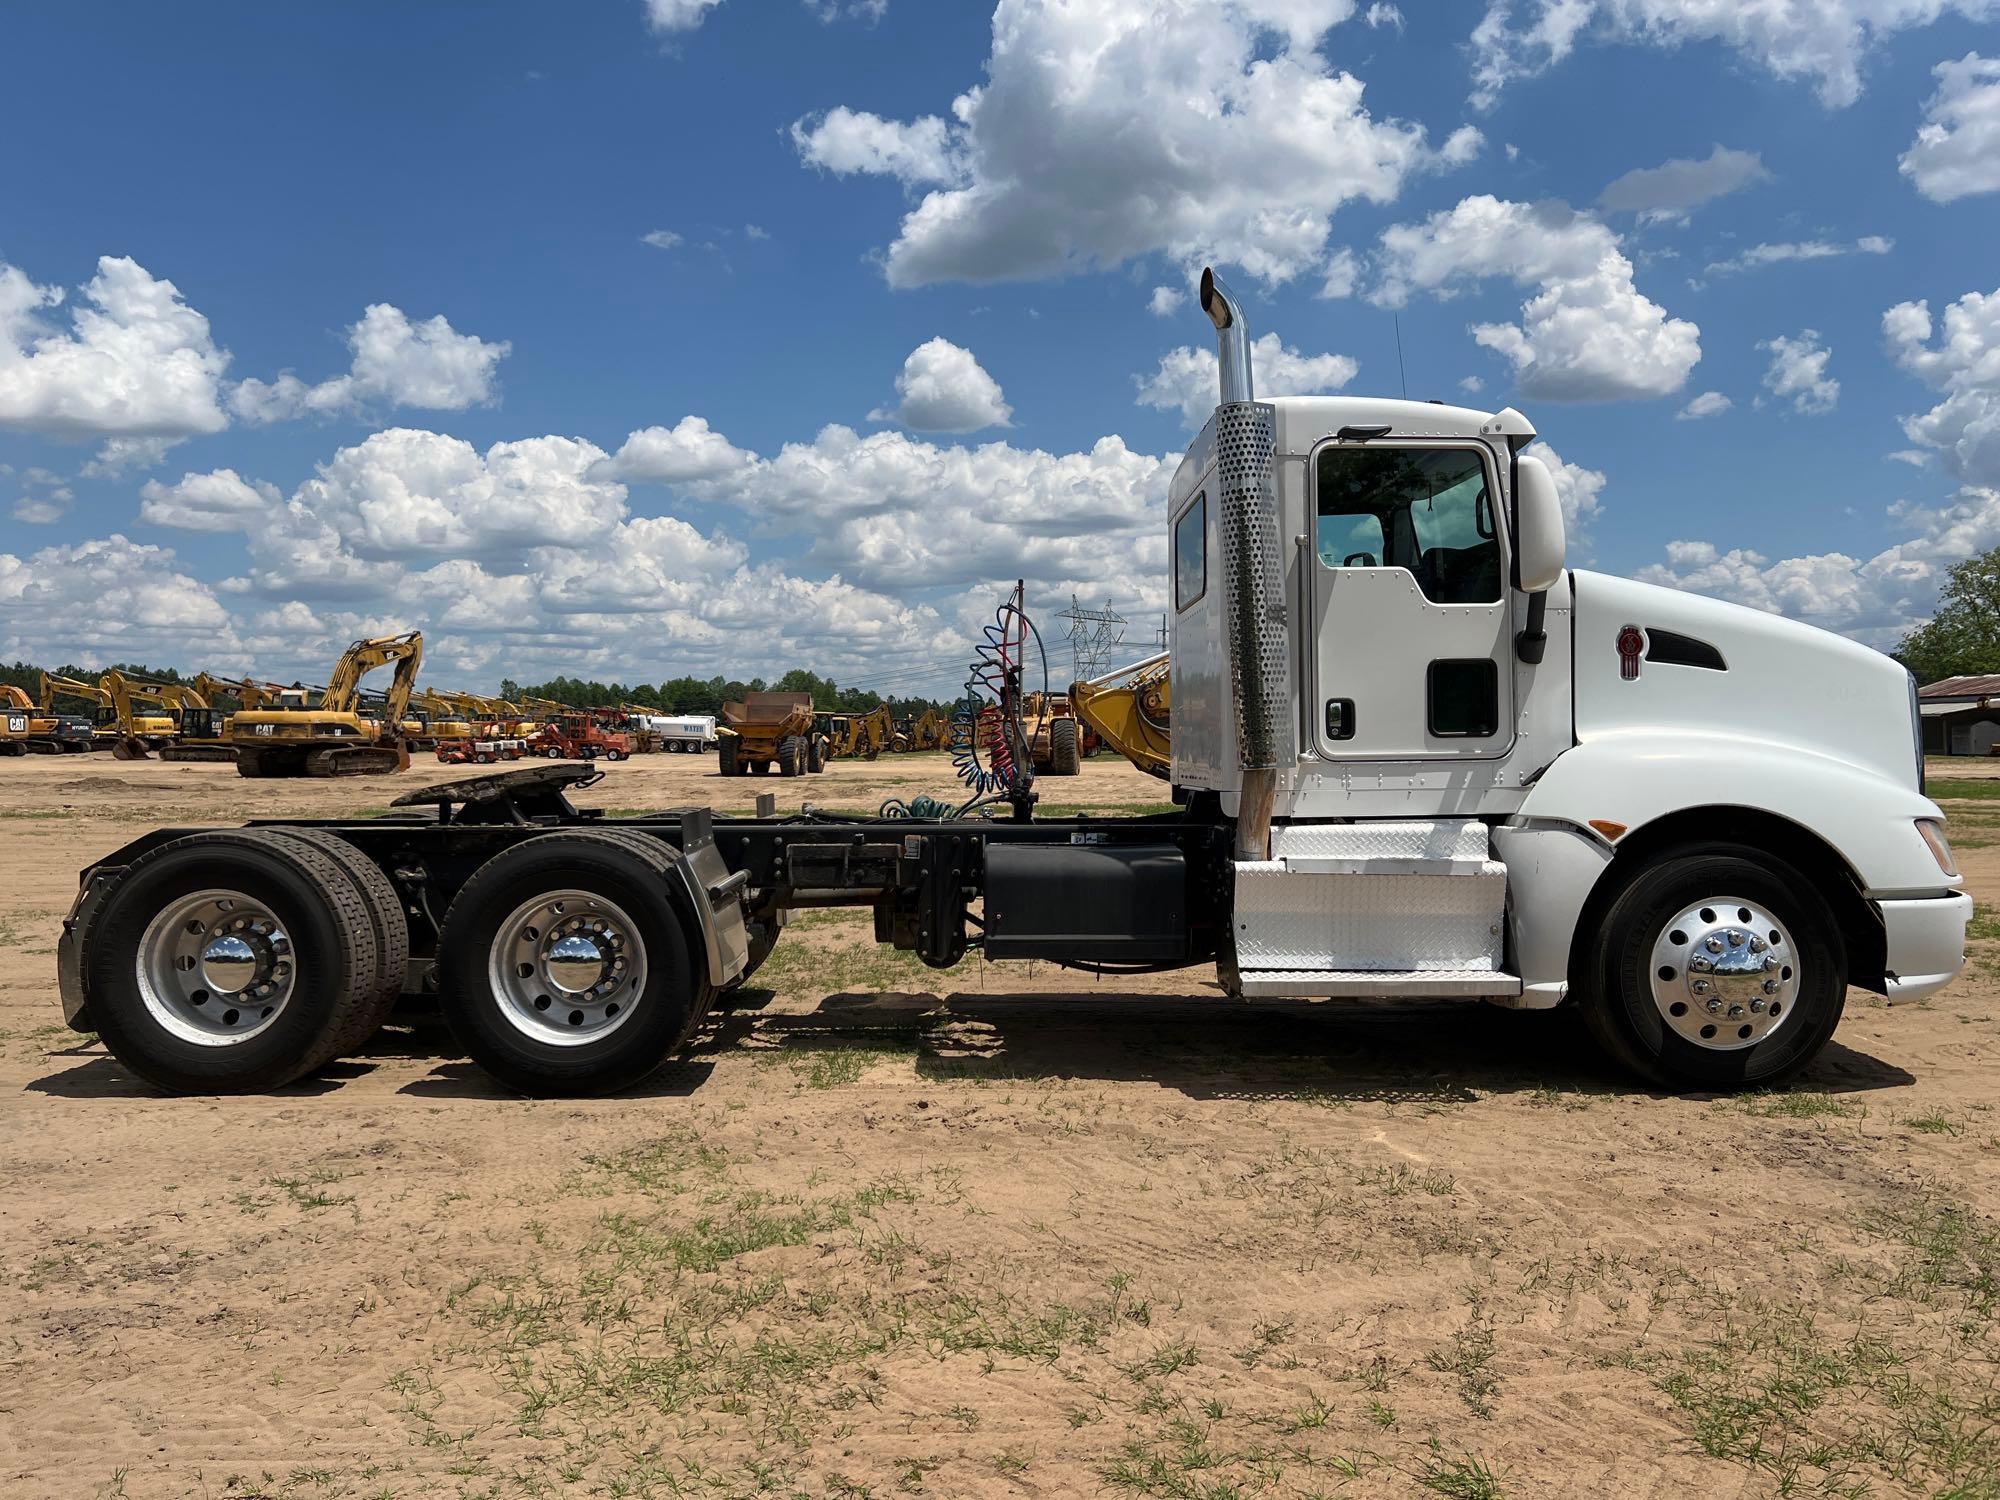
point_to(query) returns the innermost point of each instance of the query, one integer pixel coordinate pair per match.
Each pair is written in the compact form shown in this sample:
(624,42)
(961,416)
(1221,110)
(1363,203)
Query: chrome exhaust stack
(1232,339)
(1250,541)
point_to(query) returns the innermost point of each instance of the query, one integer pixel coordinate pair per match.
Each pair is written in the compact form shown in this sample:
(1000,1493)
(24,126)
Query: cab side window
(1191,553)
(1426,510)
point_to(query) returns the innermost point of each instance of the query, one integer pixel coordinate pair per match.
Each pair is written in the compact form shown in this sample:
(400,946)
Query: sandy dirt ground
(1001,1231)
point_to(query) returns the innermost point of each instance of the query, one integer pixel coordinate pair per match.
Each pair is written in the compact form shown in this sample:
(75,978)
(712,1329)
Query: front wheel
(1715,968)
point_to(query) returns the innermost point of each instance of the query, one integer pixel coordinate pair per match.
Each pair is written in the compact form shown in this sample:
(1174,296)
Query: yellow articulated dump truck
(766,730)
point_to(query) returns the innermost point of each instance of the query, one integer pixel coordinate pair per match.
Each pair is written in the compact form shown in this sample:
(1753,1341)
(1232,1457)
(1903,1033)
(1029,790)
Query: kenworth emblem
(1630,643)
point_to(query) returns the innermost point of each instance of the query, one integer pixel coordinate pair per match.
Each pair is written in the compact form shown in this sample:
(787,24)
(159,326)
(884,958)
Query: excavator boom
(1132,711)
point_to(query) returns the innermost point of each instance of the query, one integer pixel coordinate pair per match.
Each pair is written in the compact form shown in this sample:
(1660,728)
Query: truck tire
(186,943)
(566,965)
(1715,967)
(1063,757)
(392,933)
(791,756)
(725,756)
(815,754)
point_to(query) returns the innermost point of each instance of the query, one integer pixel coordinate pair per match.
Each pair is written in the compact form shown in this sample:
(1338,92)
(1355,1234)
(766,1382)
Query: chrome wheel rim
(216,968)
(1725,974)
(568,968)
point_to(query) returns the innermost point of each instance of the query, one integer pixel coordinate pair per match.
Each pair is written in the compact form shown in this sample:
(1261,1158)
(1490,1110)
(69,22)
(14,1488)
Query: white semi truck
(1414,754)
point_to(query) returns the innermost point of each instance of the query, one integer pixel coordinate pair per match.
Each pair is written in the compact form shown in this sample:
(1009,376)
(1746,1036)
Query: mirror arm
(1532,642)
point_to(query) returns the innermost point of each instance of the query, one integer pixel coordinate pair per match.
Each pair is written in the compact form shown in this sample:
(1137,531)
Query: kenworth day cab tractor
(1412,754)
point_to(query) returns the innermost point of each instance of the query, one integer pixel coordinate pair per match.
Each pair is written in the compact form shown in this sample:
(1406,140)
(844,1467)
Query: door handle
(1340,718)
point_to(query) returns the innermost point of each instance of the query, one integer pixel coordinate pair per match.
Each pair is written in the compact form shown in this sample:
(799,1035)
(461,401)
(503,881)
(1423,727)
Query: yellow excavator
(204,728)
(1132,711)
(111,729)
(331,737)
(137,734)
(448,720)
(27,729)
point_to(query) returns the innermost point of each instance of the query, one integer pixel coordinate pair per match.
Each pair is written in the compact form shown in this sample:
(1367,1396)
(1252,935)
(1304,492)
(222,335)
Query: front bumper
(1926,943)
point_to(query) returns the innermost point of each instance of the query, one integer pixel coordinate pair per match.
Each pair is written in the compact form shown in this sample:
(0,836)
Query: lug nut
(1700,986)
(1714,945)
(1770,986)
(1735,938)
(1770,962)
(1756,945)
(1700,965)
(1715,1007)
(1735,1012)
(1756,1007)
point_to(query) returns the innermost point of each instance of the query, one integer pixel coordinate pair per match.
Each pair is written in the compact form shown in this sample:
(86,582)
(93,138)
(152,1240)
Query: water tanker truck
(1413,754)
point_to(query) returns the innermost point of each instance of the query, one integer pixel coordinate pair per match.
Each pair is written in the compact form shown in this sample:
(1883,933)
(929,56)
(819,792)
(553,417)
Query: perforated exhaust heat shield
(1253,581)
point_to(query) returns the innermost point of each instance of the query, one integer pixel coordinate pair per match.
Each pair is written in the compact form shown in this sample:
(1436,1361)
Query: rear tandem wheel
(232,962)
(566,965)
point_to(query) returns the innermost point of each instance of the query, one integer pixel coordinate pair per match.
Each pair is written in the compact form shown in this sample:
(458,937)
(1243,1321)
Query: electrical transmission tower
(1092,635)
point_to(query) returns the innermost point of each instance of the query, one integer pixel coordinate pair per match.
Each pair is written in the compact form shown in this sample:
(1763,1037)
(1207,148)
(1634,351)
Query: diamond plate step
(1362,984)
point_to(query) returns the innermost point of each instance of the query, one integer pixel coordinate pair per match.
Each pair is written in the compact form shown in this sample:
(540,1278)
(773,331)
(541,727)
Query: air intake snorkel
(1253,574)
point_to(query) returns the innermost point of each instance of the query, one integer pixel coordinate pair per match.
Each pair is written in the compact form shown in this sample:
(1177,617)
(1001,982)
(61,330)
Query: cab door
(1412,642)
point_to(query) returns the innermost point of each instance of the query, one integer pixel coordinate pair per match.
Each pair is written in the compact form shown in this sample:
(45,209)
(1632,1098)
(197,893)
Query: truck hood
(1743,673)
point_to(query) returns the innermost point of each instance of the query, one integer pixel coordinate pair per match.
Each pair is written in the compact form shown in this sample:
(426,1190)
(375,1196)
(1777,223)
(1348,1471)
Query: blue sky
(320,184)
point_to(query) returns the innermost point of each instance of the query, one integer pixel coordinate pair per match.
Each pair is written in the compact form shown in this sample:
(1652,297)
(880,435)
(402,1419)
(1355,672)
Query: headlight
(1940,847)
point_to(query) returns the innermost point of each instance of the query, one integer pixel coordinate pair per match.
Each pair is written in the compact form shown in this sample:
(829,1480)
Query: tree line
(699,695)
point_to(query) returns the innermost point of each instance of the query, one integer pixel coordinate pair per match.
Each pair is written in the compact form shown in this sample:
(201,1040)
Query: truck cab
(1457,766)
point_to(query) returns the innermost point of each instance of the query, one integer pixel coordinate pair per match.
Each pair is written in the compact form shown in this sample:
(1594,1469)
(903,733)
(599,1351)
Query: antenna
(1401,373)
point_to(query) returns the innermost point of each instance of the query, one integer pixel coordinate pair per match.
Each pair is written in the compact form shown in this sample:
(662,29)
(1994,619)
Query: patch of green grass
(1400,1178)
(309,1193)
(831,1068)
(1464,1477)
(1972,788)
(1985,924)
(1469,1356)
(1934,1122)
(1796,1106)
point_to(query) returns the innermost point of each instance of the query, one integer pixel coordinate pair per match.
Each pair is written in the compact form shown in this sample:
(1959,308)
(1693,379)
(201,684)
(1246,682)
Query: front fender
(1633,777)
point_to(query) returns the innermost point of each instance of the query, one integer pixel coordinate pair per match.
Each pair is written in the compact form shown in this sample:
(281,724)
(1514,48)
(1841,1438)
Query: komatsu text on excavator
(1412,753)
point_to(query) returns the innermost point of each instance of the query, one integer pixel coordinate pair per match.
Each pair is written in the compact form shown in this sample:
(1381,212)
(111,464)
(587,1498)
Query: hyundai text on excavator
(288,737)
(1413,754)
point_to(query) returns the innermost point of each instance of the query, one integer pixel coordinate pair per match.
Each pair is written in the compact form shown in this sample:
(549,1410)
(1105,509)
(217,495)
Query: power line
(1092,635)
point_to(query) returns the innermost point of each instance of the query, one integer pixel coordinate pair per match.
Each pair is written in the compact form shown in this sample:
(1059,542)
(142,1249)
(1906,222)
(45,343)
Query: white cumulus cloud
(942,388)
(1822,42)
(1964,366)
(688,450)
(134,361)
(1187,379)
(1707,404)
(1957,149)
(222,500)
(396,363)
(1106,131)
(671,16)
(1876,599)
(1587,333)
(1797,373)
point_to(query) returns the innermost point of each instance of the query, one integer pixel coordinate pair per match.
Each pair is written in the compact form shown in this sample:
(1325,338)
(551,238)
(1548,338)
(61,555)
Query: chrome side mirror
(1538,526)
